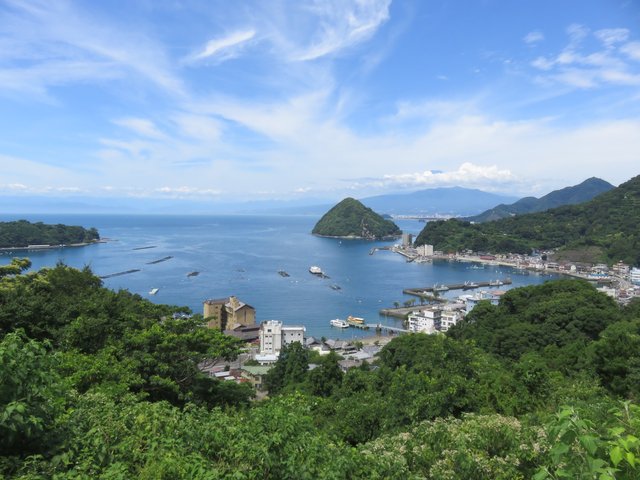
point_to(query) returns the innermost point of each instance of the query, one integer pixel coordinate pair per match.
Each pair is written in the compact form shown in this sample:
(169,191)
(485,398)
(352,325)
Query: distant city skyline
(218,101)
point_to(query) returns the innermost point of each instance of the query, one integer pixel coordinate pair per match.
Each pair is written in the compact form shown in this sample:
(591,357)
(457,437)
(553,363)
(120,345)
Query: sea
(241,255)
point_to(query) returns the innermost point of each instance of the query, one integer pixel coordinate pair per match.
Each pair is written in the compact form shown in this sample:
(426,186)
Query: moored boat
(339,323)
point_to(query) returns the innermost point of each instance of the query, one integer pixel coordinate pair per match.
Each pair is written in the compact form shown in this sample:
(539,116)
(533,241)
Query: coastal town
(429,312)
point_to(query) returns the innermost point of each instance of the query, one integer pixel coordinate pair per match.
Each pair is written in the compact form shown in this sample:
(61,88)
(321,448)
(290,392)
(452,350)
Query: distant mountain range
(452,201)
(582,192)
(444,201)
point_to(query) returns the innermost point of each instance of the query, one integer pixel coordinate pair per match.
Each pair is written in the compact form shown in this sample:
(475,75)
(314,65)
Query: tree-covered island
(21,234)
(351,219)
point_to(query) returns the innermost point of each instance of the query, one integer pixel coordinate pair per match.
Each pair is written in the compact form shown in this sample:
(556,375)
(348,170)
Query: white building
(425,250)
(274,335)
(472,300)
(425,321)
(635,275)
(448,319)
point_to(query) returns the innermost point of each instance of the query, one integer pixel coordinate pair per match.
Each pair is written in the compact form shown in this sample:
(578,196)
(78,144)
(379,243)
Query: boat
(339,323)
(316,270)
(153,291)
(495,283)
(440,288)
(193,274)
(351,320)
(469,285)
(336,287)
(282,273)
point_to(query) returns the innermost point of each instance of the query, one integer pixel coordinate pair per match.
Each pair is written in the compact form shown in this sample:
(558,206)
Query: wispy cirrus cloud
(53,43)
(576,67)
(222,48)
(533,37)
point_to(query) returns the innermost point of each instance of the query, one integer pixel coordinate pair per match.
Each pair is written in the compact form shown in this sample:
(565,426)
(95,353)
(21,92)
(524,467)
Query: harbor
(422,291)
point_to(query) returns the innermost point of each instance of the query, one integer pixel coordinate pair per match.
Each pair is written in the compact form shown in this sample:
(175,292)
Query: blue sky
(250,100)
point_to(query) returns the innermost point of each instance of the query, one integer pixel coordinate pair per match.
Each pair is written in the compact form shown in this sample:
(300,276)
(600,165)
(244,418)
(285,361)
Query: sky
(217,100)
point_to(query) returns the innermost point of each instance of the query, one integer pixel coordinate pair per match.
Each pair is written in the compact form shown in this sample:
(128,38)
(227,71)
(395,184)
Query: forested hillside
(102,384)
(583,192)
(609,224)
(22,234)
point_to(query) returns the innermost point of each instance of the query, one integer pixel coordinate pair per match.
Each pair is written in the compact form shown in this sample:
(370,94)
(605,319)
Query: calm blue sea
(241,255)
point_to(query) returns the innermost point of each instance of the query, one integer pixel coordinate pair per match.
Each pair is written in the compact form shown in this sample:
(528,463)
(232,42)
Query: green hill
(607,228)
(573,195)
(350,218)
(23,233)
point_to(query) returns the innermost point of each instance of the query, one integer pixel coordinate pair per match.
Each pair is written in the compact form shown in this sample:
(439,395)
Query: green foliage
(290,370)
(610,221)
(479,447)
(616,358)
(22,234)
(31,395)
(558,317)
(582,449)
(350,218)
(16,267)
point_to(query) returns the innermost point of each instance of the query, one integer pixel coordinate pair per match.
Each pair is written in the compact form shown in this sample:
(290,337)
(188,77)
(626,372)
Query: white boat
(153,291)
(440,288)
(337,322)
(316,270)
(495,283)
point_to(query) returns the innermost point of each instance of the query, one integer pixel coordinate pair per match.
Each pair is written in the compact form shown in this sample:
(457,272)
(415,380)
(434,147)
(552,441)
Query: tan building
(228,313)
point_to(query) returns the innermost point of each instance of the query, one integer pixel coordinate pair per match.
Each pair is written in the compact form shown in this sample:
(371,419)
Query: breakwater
(126,272)
(164,259)
(420,292)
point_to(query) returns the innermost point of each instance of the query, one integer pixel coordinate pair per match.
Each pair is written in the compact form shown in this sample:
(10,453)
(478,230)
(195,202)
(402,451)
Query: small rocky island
(351,219)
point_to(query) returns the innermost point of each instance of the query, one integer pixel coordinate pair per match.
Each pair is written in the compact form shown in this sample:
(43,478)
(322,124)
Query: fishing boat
(495,283)
(315,270)
(469,285)
(282,273)
(153,291)
(336,287)
(440,288)
(339,323)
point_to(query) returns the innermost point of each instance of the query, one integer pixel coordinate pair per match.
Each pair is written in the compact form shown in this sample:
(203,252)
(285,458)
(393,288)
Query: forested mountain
(582,192)
(23,233)
(102,384)
(608,227)
(350,218)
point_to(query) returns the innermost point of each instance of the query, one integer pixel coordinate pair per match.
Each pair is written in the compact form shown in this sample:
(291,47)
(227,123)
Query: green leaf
(616,455)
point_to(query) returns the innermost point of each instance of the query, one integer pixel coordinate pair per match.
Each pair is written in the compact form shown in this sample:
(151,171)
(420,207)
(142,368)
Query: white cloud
(573,67)
(533,37)
(223,48)
(342,24)
(141,126)
(610,36)
(54,37)
(632,50)
(468,174)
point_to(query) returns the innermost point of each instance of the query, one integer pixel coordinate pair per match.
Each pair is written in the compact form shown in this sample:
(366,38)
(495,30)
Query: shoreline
(355,237)
(50,247)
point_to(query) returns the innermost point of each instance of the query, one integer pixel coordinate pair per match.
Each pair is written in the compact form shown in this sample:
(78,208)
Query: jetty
(420,291)
(126,272)
(164,259)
